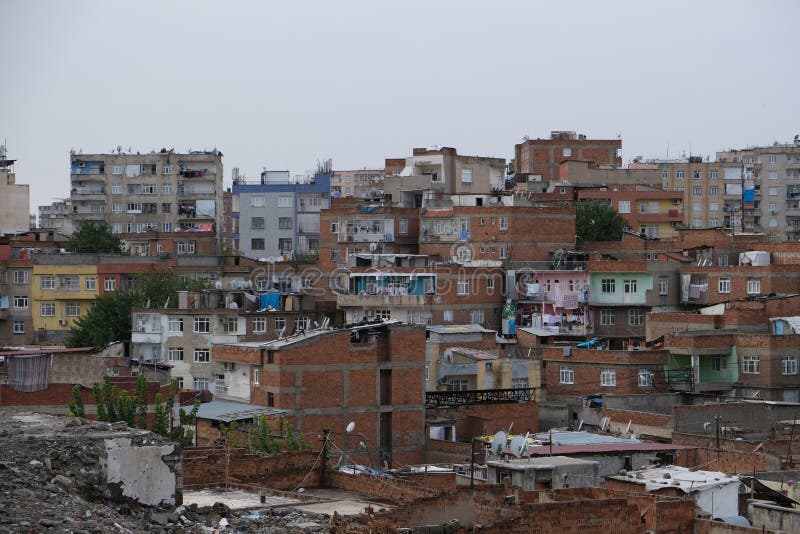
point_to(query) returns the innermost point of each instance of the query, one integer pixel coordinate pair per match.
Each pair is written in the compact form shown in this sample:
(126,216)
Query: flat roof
(543,450)
(550,462)
(673,476)
(31,351)
(581,438)
(227,411)
(459,329)
(473,354)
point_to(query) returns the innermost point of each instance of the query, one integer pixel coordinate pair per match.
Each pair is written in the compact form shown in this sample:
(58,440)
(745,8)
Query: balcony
(439,399)
(364,237)
(372,301)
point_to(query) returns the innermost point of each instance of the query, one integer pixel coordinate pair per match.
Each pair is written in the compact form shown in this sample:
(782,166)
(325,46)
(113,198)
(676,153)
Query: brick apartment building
(539,159)
(372,375)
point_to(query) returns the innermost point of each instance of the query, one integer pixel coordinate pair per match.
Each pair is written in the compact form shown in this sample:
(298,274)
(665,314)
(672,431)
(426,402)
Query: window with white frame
(175,354)
(489,283)
(624,206)
(608,317)
(116,207)
(166,189)
(646,378)
(519,383)
(166,227)
(18,327)
(566,152)
(503,252)
(608,377)
(256,376)
(724,285)
(462,287)
(464,253)
(713,206)
(202,325)
(457,384)
(751,365)
(257,202)
(175,324)
(284,202)
(21,277)
(20,301)
(723,260)
(200,383)
(566,375)
(166,169)
(680,175)
(713,222)
(664,175)
(416,317)
(697,190)
(477,316)
(713,175)
(47,282)
(754,286)
(466,176)
(447,316)
(403,226)
(47,309)
(697,206)
(663,285)
(259,325)
(772,175)
(719,364)
(630,286)
(230,325)
(73,309)
(503,223)
(696,174)
(608,285)
(149,189)
(635,317)
(202,355)
(303,323)
(109,283)
(772,191)
(697,222)
(116,189)
(789,365)
(772,223)
(772,158)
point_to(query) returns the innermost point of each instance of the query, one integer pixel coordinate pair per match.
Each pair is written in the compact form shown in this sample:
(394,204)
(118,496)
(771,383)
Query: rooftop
(673,476)
(227,411)
(459,329)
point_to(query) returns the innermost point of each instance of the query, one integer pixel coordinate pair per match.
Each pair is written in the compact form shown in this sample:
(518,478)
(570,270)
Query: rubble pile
(52,479)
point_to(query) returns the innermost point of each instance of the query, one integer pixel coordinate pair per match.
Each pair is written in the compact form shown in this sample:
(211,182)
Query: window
(696,175)
(750,365)
(723,260)
(772,175)
(47,309)
(175,324)
(335,227)
(166,227)
(608,285)
(257,243)
(166,169)
(304,323)
(18,327)
(403,226)
(256,202)
(21,277)
(608,377)
(697,190)
(630,286)
(466,176)
(90,283)
(202,325)
(73,309)
(257,223)
(679,175)
(447,316)
(202,355)
(566,375)
(280,323)
(608,317)
(653,206)
(259,325)
(116,189)
(504,223)
(566,152)
(490,284)
(713,190)
(772,158)
(285,223)
(116,207)
(713,175)
(477,316)
(149,189)
(713,222)
(416,317)
(754,286)
(166,189)
(646,378)
(772,191)
(624,206)
(713,206)
(724,285)
(773,207)
(201,384)
(642,207)
(20,301)
(47,282)
(719,364)
(697,222)
(285,245)
(789,365)
(109,283)
(230,325)
(284,202)
(772,223)
(256,376)
(462,287)
(175,354)
(116,169)
(635,317)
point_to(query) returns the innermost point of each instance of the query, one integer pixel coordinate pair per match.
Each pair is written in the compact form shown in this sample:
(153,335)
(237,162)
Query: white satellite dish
(218,284)
(519,445)
(707,426)
(350,427)
(499,442)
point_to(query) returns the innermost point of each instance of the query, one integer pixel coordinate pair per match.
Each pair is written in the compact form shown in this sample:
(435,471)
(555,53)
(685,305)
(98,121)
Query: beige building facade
(14,198)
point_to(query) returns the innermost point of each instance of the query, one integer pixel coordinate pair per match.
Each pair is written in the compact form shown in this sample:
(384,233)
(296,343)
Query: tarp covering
(29,373)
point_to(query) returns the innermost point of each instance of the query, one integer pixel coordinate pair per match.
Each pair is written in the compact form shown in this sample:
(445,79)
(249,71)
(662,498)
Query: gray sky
(282,85)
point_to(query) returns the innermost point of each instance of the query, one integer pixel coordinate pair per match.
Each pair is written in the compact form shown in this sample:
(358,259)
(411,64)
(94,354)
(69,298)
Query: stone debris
(51,481)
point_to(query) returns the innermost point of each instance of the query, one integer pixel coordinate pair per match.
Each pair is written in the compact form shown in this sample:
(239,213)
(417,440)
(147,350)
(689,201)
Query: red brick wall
(734,456)
(285,471)
(392,489)
(639,418)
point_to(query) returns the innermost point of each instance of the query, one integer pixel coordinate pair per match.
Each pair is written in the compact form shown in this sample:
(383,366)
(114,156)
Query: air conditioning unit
(62,322)
(229,366)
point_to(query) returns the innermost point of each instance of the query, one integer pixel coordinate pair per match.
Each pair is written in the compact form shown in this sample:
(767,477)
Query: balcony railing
(357,300)
(221,387)
(364,237)
(438,399)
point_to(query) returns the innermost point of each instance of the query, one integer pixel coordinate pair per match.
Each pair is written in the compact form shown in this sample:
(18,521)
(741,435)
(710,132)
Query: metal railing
(468,397)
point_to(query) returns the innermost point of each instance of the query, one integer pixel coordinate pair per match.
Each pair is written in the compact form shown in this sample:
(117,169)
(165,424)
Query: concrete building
(280,216)
(14,198)
(538,160)
(362,183)
(554,472)
(371,375)
(135,193)
(57,217)
(655,213)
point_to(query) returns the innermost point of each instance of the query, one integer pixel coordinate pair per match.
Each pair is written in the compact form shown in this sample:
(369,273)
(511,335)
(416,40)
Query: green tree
(140,399)
(108,320)
(161,287)
(114,404)
(161,418)
(94,237)
(595,221)
(76,406)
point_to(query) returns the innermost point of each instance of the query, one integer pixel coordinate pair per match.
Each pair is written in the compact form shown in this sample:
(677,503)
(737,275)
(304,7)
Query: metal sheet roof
(227,411)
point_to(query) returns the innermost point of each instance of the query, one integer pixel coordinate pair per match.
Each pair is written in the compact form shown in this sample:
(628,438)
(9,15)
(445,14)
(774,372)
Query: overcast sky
(283,85)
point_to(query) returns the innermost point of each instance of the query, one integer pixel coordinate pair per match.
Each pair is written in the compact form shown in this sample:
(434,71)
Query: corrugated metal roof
(543,450)
(53,350)
(227,411)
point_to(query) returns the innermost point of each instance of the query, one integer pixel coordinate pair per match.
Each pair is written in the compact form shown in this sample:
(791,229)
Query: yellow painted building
(60,293)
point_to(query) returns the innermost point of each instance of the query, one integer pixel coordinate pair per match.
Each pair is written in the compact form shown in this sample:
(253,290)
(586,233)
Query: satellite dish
(282,332)
(218,284)
(519,445)
(499,442)
(707,426)
(350,427)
